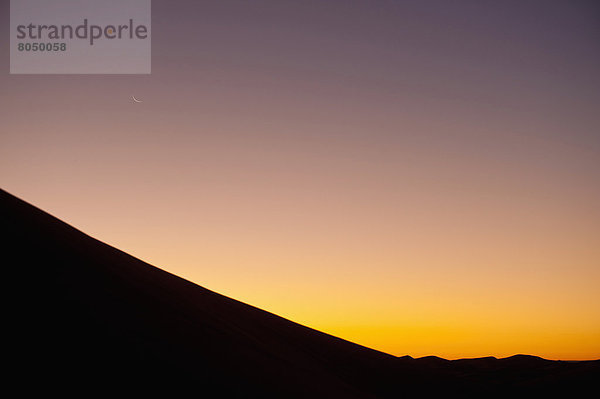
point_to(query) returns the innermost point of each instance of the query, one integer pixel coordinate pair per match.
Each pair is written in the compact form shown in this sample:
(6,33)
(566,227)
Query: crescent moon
(136,100)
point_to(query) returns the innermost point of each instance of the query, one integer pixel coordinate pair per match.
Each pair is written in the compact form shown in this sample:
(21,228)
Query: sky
(419,177)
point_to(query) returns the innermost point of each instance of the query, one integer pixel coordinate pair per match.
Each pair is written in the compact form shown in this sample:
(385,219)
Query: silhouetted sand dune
(85,317)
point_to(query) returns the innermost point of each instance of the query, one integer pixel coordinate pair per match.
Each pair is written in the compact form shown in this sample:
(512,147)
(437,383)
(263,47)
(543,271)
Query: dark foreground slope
(82,317)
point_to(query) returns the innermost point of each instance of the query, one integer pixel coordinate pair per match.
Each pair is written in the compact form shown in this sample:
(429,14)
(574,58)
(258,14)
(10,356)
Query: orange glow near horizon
(420,182)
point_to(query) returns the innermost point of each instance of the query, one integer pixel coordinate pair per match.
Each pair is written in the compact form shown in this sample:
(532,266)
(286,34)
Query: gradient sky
(420,177)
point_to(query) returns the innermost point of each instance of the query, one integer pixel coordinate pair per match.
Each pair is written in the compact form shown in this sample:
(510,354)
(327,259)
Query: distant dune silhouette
(83,317)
